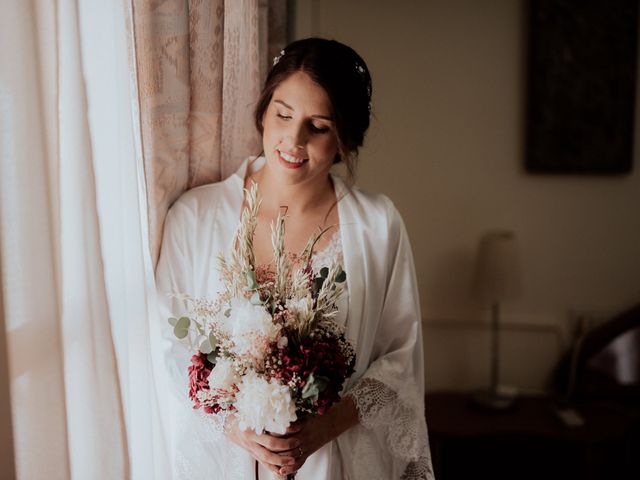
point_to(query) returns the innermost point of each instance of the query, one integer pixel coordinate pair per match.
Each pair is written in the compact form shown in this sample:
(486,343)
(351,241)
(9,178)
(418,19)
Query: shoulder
(374,210)
(204,200)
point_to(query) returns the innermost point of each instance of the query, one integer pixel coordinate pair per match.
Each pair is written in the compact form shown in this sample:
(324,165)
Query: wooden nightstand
(528,441)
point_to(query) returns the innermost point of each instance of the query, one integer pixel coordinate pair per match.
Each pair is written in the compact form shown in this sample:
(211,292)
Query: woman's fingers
(255,444)
(299,441)
(266,456)
(294,428)
(277,444)
(289,469)
(300,457)
(273,468)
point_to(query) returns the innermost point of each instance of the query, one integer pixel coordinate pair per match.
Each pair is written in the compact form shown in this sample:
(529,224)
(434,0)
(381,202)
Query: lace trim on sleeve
(395,409)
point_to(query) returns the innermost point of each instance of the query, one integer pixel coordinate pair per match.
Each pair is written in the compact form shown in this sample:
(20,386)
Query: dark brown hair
(343,75)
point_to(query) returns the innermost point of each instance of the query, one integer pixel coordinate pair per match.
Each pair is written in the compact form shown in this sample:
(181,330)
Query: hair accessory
(277,58)
(359,68)
(361,71)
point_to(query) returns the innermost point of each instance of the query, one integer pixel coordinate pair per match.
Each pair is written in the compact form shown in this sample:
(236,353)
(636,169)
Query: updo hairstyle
(343,75)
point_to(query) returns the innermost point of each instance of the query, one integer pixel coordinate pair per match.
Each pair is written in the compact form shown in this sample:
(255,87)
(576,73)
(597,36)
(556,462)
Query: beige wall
(447,146)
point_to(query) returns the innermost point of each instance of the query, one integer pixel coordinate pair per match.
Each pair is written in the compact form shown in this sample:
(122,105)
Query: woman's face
(299,138)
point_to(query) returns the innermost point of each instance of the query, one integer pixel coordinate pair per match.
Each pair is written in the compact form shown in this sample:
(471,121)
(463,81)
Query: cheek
(329,146)
(266,124)
(269,133)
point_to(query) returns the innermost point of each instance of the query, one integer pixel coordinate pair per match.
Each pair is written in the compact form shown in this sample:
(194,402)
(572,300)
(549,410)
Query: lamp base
(495,400)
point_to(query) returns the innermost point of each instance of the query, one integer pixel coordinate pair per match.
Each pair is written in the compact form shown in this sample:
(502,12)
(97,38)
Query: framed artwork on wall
(581,86)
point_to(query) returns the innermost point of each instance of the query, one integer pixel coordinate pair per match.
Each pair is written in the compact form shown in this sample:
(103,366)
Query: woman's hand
(314,432)
(272,451)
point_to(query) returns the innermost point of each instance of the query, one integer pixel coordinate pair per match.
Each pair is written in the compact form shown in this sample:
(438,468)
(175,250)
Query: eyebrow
(323,117)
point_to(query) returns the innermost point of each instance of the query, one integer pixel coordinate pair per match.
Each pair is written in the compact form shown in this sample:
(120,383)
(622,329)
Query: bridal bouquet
(268,348)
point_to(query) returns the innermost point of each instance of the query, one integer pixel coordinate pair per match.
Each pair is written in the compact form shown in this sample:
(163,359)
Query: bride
(313,112)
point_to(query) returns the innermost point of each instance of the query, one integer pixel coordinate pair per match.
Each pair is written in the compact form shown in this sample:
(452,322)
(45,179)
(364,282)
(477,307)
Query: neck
(298,198)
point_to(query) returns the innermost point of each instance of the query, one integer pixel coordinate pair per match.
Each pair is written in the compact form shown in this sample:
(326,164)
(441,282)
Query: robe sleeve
(390,395)
(175,275)
(198,447)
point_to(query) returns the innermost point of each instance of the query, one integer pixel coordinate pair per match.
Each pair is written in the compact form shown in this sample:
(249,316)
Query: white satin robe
(383,321)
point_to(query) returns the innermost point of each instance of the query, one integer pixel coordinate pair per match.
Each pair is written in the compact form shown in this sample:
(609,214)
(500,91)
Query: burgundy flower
(320,356)
(199,377)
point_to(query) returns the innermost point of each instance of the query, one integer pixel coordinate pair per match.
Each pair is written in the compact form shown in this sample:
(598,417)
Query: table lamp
(496,280)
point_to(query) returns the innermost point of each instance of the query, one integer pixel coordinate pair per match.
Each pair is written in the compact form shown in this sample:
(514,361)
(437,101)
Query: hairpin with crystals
(361,71)
(277,58)
(359,68)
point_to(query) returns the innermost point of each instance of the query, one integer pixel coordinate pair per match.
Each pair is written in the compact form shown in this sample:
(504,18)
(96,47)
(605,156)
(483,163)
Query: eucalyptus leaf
(313,387)
(251,280)
(205,347)
(317,284)
(181,328)
(173,321)
(341,277)
(227,312)
(310,390)
(199,327)
(324,272)
(255,299)
(322,383)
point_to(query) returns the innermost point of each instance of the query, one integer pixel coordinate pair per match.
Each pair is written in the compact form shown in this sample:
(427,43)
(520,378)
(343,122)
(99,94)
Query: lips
(289,160)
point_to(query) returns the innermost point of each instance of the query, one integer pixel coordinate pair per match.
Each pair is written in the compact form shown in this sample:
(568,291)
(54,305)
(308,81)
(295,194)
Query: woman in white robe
(380,310)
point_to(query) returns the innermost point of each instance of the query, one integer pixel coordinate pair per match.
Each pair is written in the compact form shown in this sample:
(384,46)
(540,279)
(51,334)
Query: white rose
(251,328)
(224,375)
(264,405)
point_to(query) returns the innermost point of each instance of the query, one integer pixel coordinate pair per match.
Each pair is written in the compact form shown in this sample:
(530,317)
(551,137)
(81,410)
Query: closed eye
(319,129)
(312,127)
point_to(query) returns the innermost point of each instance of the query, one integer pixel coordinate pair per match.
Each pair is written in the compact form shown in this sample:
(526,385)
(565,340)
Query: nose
(298,134)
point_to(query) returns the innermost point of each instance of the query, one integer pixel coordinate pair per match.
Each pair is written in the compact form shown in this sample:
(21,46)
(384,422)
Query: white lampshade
(497,273)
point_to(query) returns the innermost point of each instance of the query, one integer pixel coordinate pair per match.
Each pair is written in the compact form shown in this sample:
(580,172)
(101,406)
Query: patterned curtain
(199,65)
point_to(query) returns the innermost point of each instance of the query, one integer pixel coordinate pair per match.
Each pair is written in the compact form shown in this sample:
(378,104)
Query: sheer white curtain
(122,205)
(76,274)
(28,217)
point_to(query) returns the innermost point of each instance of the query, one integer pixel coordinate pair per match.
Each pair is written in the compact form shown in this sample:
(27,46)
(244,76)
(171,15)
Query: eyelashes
(312,127)
(318,129)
